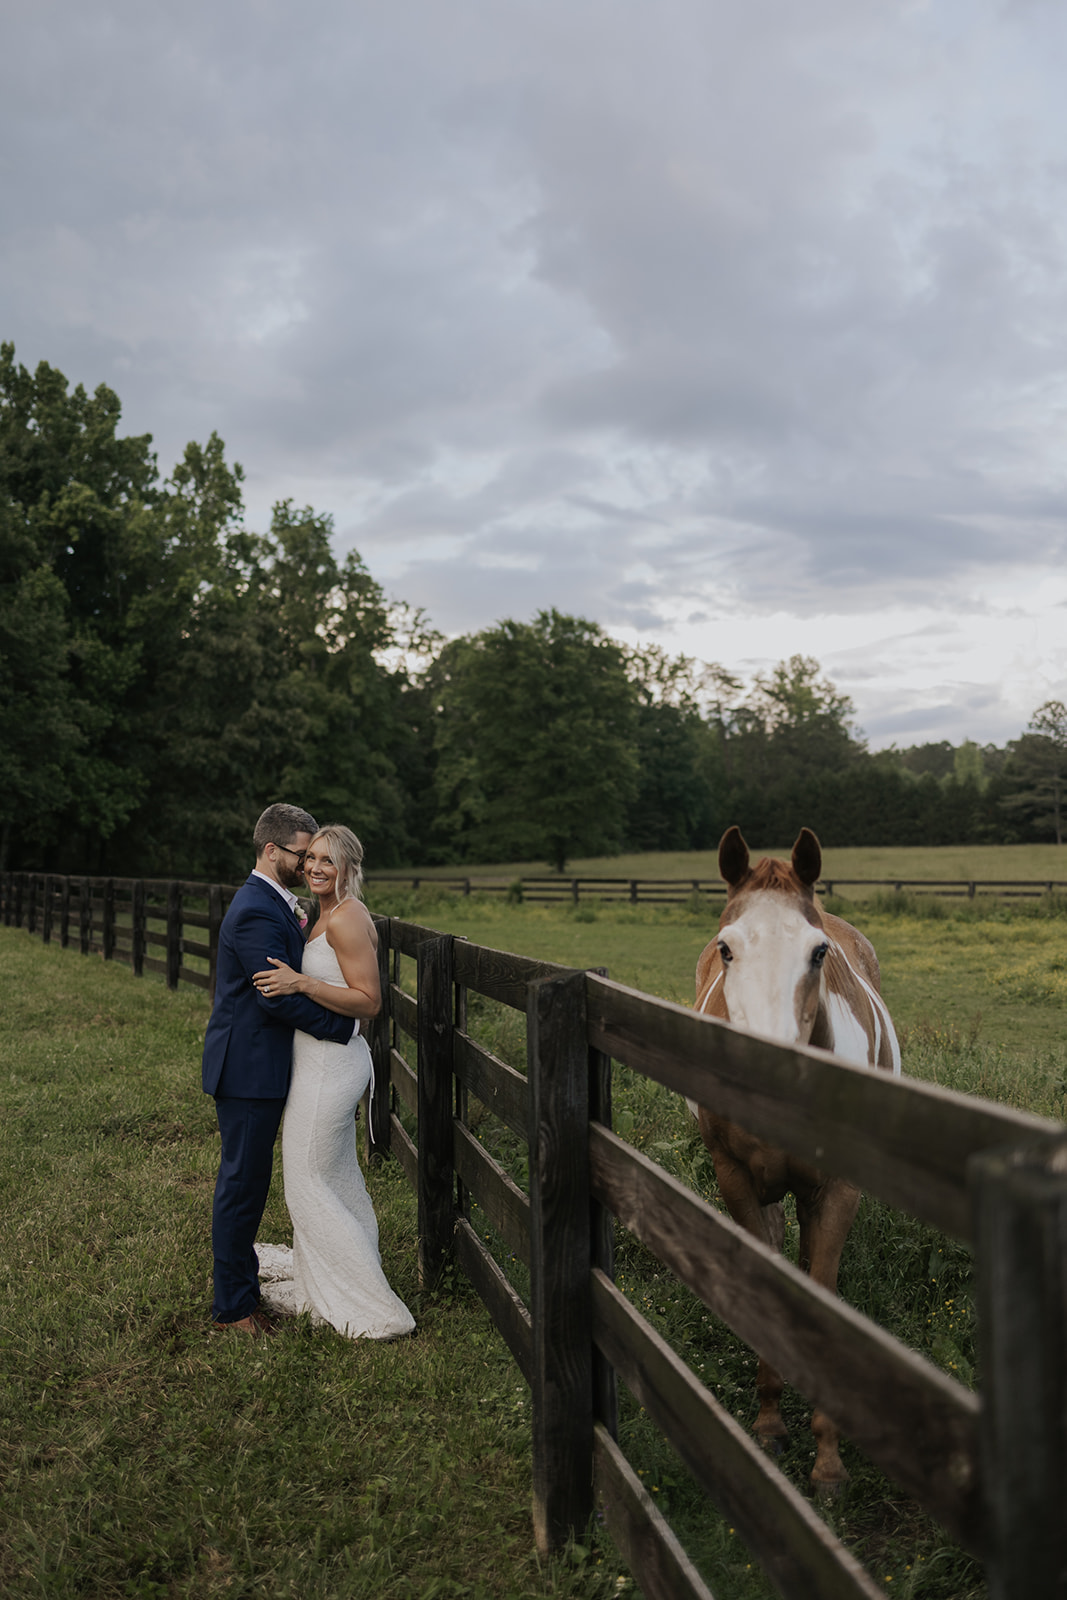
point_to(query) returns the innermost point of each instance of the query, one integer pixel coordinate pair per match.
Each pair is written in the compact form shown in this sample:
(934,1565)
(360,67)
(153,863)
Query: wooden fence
(124,919)
(990,1467)
(556,889)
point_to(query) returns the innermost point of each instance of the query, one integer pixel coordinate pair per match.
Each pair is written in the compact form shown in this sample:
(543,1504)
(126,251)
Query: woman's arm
(355,944)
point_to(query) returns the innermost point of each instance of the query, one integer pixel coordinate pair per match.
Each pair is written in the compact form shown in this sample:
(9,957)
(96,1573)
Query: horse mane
(770,873)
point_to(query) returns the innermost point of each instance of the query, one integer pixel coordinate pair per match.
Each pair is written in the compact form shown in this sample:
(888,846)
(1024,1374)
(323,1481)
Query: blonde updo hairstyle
(346,853)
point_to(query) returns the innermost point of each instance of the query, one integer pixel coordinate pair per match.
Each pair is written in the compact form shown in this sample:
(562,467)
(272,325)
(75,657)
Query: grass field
(1030,861)
(144,1455)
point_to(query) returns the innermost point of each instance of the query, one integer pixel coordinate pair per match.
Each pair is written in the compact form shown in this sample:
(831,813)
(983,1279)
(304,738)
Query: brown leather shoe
(256,1323)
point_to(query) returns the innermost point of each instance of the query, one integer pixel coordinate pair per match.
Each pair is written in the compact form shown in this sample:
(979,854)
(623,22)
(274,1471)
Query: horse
(784,968)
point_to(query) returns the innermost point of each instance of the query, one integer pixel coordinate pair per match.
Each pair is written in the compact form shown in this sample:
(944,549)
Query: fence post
(31,905)
(139,929)
(64,913)
(109,919)
(85,916)
(1020,1213)
(46,910)
(436,1186)
(20,884)
(381,1040)
(174,933)
(214,916)
(602,1236)
(562,1388)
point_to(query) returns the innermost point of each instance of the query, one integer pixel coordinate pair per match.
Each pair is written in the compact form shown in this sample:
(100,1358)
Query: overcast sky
(738,325)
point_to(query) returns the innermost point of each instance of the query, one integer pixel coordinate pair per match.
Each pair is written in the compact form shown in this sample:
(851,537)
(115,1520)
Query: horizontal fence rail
(165,925)
(987,1466)
(152,925)
(556,889)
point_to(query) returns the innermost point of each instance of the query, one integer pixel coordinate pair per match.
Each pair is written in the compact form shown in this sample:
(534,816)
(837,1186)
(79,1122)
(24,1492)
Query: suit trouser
(249,1129)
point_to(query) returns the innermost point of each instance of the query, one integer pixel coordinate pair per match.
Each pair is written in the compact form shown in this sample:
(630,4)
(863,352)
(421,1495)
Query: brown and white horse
(784,968)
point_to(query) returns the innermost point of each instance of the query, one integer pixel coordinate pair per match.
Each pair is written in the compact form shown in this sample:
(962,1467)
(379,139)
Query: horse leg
(824,1226)
(769,1426)
(767,1224)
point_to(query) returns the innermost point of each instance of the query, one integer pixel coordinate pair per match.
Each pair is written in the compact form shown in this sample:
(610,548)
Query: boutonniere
(300,914)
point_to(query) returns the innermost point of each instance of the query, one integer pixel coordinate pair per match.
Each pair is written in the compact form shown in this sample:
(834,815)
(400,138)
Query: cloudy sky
(738,325)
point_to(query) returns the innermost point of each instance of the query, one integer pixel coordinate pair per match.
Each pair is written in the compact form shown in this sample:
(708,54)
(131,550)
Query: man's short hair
(279,824)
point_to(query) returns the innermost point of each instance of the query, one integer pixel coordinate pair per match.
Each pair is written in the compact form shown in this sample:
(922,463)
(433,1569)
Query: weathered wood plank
(1021,1224)
(510,1317)
(436,1179)
(558,1070)
(503,1202)
(380,1039)
(905,1141)
(793,1545)
(404,1081)
(174,934)
(917,1424)
(499,1087)
(405,1151)
(648,1545)
(500,975)
(602,1240)
(404,1011)
(138,932)
(406,937)
(201,980)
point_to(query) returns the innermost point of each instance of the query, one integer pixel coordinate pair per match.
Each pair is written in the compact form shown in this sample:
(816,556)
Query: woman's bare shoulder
(350,922)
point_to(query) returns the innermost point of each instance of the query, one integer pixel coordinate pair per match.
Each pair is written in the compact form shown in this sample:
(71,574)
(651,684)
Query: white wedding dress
(335,1266)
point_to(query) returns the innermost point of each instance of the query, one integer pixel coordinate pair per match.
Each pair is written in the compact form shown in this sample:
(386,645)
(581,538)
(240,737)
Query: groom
(248,1054)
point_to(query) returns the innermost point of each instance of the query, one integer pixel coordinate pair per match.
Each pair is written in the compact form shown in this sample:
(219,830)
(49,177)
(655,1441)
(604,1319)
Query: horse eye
(818,955)
(725,952)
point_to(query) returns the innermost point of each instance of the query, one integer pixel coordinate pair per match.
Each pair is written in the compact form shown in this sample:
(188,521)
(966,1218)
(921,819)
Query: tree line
(165,673)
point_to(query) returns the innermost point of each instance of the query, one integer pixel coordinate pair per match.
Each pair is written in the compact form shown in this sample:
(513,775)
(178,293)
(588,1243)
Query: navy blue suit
(248,1051)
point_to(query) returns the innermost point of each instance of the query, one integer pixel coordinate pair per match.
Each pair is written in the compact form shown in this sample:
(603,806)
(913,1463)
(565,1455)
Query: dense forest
(165,673)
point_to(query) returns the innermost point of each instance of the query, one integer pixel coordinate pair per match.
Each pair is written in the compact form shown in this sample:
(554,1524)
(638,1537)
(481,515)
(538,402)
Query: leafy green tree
(280,689)
(671,808)
(76,519)
(1039,771)
(535,741)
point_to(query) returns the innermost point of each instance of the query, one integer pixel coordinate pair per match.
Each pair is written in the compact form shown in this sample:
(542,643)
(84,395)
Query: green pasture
(145,1455)
(994,861)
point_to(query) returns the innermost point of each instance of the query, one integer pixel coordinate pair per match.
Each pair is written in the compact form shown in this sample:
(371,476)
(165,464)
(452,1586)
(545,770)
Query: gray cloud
(639,313)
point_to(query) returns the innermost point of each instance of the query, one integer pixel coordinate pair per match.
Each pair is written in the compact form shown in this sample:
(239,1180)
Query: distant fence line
(677,891)
(142,922)
(146,922)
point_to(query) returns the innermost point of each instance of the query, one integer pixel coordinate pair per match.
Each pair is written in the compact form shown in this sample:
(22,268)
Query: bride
(337,1271)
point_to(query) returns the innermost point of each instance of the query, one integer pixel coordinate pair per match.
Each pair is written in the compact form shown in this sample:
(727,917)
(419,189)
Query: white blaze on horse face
(772,970)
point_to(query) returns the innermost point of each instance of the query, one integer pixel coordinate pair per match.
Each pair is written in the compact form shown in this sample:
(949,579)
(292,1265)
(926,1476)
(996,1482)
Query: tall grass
(144,1455)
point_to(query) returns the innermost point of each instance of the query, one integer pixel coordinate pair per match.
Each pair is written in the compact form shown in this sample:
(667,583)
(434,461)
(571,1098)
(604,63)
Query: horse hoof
(772,1444)
(829,1490)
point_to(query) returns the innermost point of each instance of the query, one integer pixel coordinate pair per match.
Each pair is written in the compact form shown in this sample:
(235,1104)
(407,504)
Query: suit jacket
(248,1047)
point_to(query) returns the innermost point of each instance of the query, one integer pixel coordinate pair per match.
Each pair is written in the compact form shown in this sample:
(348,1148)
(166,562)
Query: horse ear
(807,858)
(733,857)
